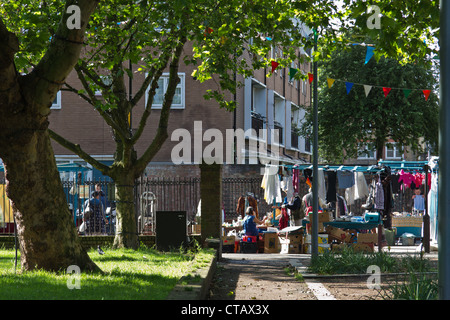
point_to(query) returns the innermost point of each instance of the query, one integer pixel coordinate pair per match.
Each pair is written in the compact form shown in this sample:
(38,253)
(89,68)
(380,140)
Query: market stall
(343,221)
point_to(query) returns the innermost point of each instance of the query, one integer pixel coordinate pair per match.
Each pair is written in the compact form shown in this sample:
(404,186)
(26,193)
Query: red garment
(284,220)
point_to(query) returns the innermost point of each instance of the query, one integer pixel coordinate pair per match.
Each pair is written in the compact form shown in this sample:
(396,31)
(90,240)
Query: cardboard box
(325,216)
(228,240)
(322,248)
(288,247)
(323,238)
(337,234)
(363,247)
(271,242)
(367,238)
(296,238)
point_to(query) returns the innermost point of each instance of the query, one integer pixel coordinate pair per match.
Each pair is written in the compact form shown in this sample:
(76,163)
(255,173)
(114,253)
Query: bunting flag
(426,93)
(367,89)
(292,73)
(349,86)
(386,90)
(330,82)
(310,77)
(274,65)
(369,54)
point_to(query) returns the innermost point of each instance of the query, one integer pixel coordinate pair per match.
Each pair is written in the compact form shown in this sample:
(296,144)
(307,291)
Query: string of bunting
(368,88)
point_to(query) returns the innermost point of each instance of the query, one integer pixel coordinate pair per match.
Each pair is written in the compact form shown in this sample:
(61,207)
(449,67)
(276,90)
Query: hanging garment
(379,195)
(396,184)
(341,206)
(418,179)
(271,185)
(433,207)
(321,184)
(295,179)
(359,190)
(287,186)
(346,179)
(419,203)
(284,219)
(406,177)
(331,186)
(240,209)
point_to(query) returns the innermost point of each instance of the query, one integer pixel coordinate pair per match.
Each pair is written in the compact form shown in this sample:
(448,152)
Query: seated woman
(250,222)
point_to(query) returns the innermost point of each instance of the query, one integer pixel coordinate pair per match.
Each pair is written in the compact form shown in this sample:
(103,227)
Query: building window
(56,104)
(106,81)
(178,98)
(393,151)
(365,154)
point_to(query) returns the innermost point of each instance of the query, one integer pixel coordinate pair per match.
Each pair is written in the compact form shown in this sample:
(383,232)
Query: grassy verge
(349,262)
(416,279)
(127,274)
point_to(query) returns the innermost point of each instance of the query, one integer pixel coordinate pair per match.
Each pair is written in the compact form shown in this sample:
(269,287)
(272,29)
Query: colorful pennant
(274,65)
(386,91)
(292,73)
(368,88)
(369,54)
(330,82)
(349,86)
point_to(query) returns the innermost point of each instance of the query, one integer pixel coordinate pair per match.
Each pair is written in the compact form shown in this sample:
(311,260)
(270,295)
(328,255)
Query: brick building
(262,103)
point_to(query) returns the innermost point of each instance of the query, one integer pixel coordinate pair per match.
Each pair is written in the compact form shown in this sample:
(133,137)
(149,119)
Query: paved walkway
(241,276)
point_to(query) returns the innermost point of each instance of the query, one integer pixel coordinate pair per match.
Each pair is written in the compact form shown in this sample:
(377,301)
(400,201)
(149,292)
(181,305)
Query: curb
(195,285)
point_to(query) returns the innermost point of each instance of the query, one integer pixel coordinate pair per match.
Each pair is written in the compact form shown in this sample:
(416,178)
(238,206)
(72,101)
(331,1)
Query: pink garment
(295,179)
(406,177)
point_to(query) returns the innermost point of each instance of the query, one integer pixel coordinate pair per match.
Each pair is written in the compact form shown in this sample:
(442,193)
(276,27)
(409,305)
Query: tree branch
(76,148)
(162,133)
(50,73)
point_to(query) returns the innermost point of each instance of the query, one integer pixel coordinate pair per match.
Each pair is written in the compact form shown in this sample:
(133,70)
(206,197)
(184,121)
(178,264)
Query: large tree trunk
(126,228)
(47,235)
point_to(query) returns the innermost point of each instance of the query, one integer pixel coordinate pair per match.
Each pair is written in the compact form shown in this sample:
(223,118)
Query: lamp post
(315,189)
(444,148)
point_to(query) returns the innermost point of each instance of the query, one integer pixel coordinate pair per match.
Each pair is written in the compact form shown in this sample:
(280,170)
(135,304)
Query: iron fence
(160,194)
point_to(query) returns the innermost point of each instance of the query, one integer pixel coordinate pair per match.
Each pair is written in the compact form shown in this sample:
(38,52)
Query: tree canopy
(363,105)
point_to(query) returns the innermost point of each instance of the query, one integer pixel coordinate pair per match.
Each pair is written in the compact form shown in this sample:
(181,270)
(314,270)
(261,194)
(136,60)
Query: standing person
(295,206)
(98,188)
(95,215)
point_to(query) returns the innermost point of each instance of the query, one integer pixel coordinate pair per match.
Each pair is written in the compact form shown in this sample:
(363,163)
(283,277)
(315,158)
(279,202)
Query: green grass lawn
(127,274)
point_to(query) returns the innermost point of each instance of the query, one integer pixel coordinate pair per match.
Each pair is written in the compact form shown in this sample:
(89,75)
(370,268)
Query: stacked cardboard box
(271,242)
(228,244)
(367,238)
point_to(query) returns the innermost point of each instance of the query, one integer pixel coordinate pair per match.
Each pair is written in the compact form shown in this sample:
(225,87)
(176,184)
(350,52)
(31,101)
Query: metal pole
(315,214)
(426,216)
(444,148)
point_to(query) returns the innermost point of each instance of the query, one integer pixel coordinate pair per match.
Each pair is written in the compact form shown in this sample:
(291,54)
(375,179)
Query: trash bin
(408,239)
